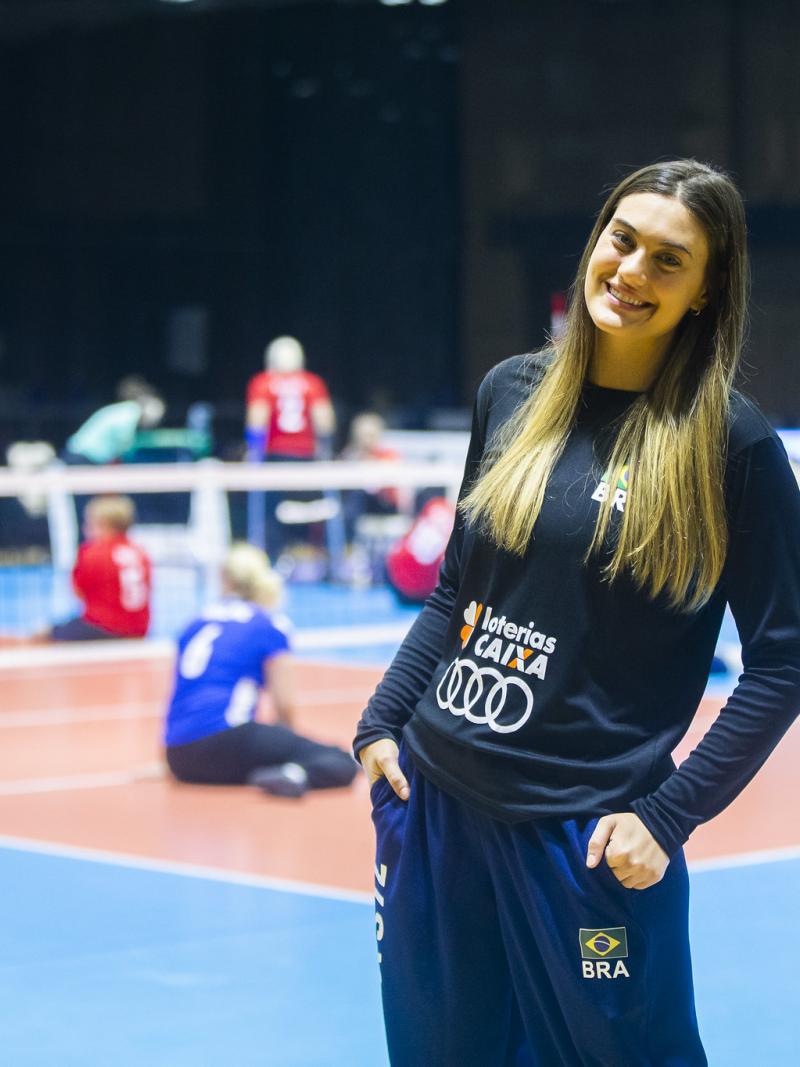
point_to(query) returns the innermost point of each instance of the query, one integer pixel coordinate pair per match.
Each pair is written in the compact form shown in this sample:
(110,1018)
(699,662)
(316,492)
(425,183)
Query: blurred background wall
(559,100)
(402,186)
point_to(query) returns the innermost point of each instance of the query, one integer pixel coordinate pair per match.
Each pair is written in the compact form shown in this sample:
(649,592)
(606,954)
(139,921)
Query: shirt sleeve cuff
(376,733)
(664,828)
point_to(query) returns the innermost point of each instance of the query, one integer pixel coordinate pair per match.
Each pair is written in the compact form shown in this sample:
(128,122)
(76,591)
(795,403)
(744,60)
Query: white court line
(99,670)
(285,885)
(100,713)
(184,870)
(96,652)
(69,782)
(81,652)
(151,710)
(746,859)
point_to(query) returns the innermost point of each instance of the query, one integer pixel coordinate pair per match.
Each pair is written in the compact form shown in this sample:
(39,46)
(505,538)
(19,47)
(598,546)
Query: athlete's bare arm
(279,680)
(258,413)
(323,417)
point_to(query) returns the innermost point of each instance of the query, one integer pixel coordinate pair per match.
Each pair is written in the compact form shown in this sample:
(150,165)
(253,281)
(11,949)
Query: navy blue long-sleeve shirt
(531,687)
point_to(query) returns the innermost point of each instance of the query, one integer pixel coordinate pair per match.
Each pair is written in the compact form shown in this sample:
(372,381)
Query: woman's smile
(622,298)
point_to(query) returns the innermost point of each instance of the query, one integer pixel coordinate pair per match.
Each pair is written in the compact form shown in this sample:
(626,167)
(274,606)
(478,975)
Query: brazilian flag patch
(608,943)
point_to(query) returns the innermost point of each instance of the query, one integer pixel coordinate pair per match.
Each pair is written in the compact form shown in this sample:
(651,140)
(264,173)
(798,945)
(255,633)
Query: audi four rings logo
(464,683)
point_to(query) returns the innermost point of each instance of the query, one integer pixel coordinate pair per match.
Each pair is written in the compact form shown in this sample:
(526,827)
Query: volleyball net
(327,522)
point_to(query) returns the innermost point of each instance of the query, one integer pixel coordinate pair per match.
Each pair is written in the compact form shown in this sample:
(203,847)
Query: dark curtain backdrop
(559,100)
(274,171)
(403,188)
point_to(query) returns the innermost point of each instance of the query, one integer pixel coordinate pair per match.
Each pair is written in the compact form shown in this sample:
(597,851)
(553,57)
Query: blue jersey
(219,672)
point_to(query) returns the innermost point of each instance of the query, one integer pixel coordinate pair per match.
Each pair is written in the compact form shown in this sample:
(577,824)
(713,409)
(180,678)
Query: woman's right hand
(380,760)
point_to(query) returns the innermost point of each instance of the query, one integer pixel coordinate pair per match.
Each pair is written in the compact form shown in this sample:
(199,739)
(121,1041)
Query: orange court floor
(82,766)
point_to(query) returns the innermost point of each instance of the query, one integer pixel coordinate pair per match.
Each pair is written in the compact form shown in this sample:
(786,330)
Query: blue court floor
(33,597)
(127,966)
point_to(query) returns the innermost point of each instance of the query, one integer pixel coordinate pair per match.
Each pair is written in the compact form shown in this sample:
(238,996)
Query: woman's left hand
(633,854)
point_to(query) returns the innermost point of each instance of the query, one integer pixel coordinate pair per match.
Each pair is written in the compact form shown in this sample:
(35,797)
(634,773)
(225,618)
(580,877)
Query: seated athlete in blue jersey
(225,658)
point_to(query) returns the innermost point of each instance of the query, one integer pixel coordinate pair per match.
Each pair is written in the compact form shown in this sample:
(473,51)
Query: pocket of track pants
(381,791)
(376,789)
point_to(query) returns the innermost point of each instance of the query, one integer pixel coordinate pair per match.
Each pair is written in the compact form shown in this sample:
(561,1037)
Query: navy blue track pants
(498,947)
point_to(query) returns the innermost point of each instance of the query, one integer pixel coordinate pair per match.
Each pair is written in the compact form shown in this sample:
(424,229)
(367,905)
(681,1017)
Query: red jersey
(291,396)
(112,577)
(413,564)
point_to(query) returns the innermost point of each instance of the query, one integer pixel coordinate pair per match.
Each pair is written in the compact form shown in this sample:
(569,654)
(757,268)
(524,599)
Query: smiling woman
(664,286)
(647,270)
(618,493)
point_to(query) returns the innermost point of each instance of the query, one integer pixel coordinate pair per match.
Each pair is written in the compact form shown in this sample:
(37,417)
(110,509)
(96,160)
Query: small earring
(696,311)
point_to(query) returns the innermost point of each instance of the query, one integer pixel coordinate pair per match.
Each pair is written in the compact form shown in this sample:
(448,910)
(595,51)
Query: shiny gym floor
(158,924)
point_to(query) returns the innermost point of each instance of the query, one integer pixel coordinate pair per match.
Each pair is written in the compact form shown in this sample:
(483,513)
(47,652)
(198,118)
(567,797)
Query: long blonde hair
(247,572)
(672,537)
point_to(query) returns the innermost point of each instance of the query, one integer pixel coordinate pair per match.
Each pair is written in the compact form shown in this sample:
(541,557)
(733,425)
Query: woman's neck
(629,366)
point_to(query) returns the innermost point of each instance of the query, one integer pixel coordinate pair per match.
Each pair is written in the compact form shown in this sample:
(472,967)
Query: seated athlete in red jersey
(112,576)
(412,565)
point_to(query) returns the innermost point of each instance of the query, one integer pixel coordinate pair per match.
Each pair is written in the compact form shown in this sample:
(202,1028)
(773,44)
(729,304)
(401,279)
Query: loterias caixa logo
(501,696)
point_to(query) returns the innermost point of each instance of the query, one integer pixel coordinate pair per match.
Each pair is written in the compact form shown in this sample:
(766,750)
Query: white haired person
(618,492)
(289,410)
(226,657)
(289,419)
